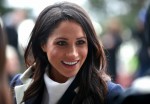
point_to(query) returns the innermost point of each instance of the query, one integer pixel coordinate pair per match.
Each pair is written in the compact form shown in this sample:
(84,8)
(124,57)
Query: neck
(57,78)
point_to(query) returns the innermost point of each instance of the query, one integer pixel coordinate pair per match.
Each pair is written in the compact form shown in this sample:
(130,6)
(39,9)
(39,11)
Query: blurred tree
(100,8)
(3,9)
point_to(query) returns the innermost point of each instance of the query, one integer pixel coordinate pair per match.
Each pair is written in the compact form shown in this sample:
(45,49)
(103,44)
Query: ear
(43,46)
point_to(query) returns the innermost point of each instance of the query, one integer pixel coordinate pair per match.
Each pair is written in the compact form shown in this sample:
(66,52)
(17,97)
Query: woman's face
(66,49)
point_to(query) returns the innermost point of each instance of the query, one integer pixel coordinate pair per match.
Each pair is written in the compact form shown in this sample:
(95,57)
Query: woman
(65,59)
(5,97)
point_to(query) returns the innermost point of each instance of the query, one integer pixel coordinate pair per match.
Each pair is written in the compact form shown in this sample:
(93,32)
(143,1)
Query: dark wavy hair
(92,83)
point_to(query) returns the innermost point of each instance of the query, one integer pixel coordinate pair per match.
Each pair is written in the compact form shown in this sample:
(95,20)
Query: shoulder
(16,80)
(138,92)
(114,90)
(23,78)
(20,83)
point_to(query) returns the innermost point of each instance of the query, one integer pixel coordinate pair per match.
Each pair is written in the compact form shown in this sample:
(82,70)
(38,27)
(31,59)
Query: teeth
(70,63)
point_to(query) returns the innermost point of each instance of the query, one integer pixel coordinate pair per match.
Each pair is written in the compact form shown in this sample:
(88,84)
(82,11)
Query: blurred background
(119,25)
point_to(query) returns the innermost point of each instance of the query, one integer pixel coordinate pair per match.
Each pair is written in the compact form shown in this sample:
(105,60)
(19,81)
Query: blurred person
(12,36)
(24,30)
(11,22)
(12,66)
(66,63)
(143,82)
(143,55)
(5,97)
(127,62)
(139,92)
(112,40)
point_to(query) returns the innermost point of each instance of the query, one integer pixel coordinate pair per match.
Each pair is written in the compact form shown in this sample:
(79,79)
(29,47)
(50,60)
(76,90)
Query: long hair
(92,85)
(5,97)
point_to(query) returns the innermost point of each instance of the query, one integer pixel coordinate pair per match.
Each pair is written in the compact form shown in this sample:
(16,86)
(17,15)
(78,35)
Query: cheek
(84,52)
(51,54)
(54,55)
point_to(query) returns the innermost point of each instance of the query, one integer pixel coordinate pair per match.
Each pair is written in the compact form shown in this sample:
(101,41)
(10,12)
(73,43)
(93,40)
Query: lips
(70,63)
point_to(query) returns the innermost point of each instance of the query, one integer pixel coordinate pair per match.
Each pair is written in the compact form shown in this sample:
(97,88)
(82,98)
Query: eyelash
(63,43)
(80,42)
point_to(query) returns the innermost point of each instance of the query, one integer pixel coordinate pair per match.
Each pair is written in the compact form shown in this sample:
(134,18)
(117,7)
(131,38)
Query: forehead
(68,28)
(69,24)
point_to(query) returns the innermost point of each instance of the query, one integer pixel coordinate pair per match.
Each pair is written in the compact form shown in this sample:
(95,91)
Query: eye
(81,42)
(61,43)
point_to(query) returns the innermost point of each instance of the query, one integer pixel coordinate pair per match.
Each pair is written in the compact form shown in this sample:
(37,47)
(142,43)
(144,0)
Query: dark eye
(80,42)
(61,43)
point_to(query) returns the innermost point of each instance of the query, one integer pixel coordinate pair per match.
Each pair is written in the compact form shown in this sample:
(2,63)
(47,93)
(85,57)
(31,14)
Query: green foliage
(127,19)
(97,3)
(3,9)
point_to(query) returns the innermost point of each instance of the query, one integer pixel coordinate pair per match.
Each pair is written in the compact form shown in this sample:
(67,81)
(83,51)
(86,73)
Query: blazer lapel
(19,91)
(71,92)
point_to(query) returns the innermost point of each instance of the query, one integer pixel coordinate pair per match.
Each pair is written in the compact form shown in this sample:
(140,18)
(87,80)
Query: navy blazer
(114,90)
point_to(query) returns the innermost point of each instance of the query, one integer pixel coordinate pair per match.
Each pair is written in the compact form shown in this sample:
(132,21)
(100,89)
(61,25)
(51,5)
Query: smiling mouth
(70,63)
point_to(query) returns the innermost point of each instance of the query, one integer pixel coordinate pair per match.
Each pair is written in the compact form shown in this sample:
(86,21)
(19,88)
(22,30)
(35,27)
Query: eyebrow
(61,38)
(82,38)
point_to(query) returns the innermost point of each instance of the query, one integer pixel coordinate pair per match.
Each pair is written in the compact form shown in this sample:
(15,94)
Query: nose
(72,52)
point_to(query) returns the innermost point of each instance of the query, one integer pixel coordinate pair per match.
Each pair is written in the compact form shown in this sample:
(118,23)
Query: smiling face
(66,49)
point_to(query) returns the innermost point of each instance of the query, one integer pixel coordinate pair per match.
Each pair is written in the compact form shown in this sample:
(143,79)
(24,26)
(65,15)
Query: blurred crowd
(17,27)
(126,49)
